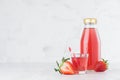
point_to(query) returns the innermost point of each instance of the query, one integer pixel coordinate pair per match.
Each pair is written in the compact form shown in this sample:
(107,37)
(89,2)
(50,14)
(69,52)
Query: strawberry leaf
(63,59)
(56,69)
(66,59)
(106,61)
(57,63)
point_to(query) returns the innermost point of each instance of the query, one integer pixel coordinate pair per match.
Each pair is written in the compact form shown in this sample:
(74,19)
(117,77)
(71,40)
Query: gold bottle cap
(90,21)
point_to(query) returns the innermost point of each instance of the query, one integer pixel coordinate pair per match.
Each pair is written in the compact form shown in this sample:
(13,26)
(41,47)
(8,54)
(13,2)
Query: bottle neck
(90,25)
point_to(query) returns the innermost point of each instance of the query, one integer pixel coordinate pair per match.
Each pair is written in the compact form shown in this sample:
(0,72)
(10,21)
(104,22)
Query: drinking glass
(79,61)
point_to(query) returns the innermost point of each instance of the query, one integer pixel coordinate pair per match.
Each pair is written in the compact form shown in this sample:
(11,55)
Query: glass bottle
(90,42)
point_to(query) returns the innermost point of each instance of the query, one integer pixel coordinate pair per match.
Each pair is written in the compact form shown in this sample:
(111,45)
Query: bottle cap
(90,21)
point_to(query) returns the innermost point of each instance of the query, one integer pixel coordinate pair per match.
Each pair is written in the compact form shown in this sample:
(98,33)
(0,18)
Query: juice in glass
(80,62)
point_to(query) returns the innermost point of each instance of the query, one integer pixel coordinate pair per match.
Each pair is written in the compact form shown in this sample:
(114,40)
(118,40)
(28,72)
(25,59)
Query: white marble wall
(38,30)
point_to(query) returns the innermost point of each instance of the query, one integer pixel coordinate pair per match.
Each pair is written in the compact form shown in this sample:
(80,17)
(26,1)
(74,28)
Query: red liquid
(80,63)
(90,44)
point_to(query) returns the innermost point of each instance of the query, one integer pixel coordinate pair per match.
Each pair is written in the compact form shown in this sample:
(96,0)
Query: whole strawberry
(101,66)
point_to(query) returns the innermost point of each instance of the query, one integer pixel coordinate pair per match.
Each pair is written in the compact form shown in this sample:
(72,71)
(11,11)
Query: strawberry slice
(101,66)
(65,67)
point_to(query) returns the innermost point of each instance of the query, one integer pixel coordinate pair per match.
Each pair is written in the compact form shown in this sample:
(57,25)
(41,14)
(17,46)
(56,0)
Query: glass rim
(79,54)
